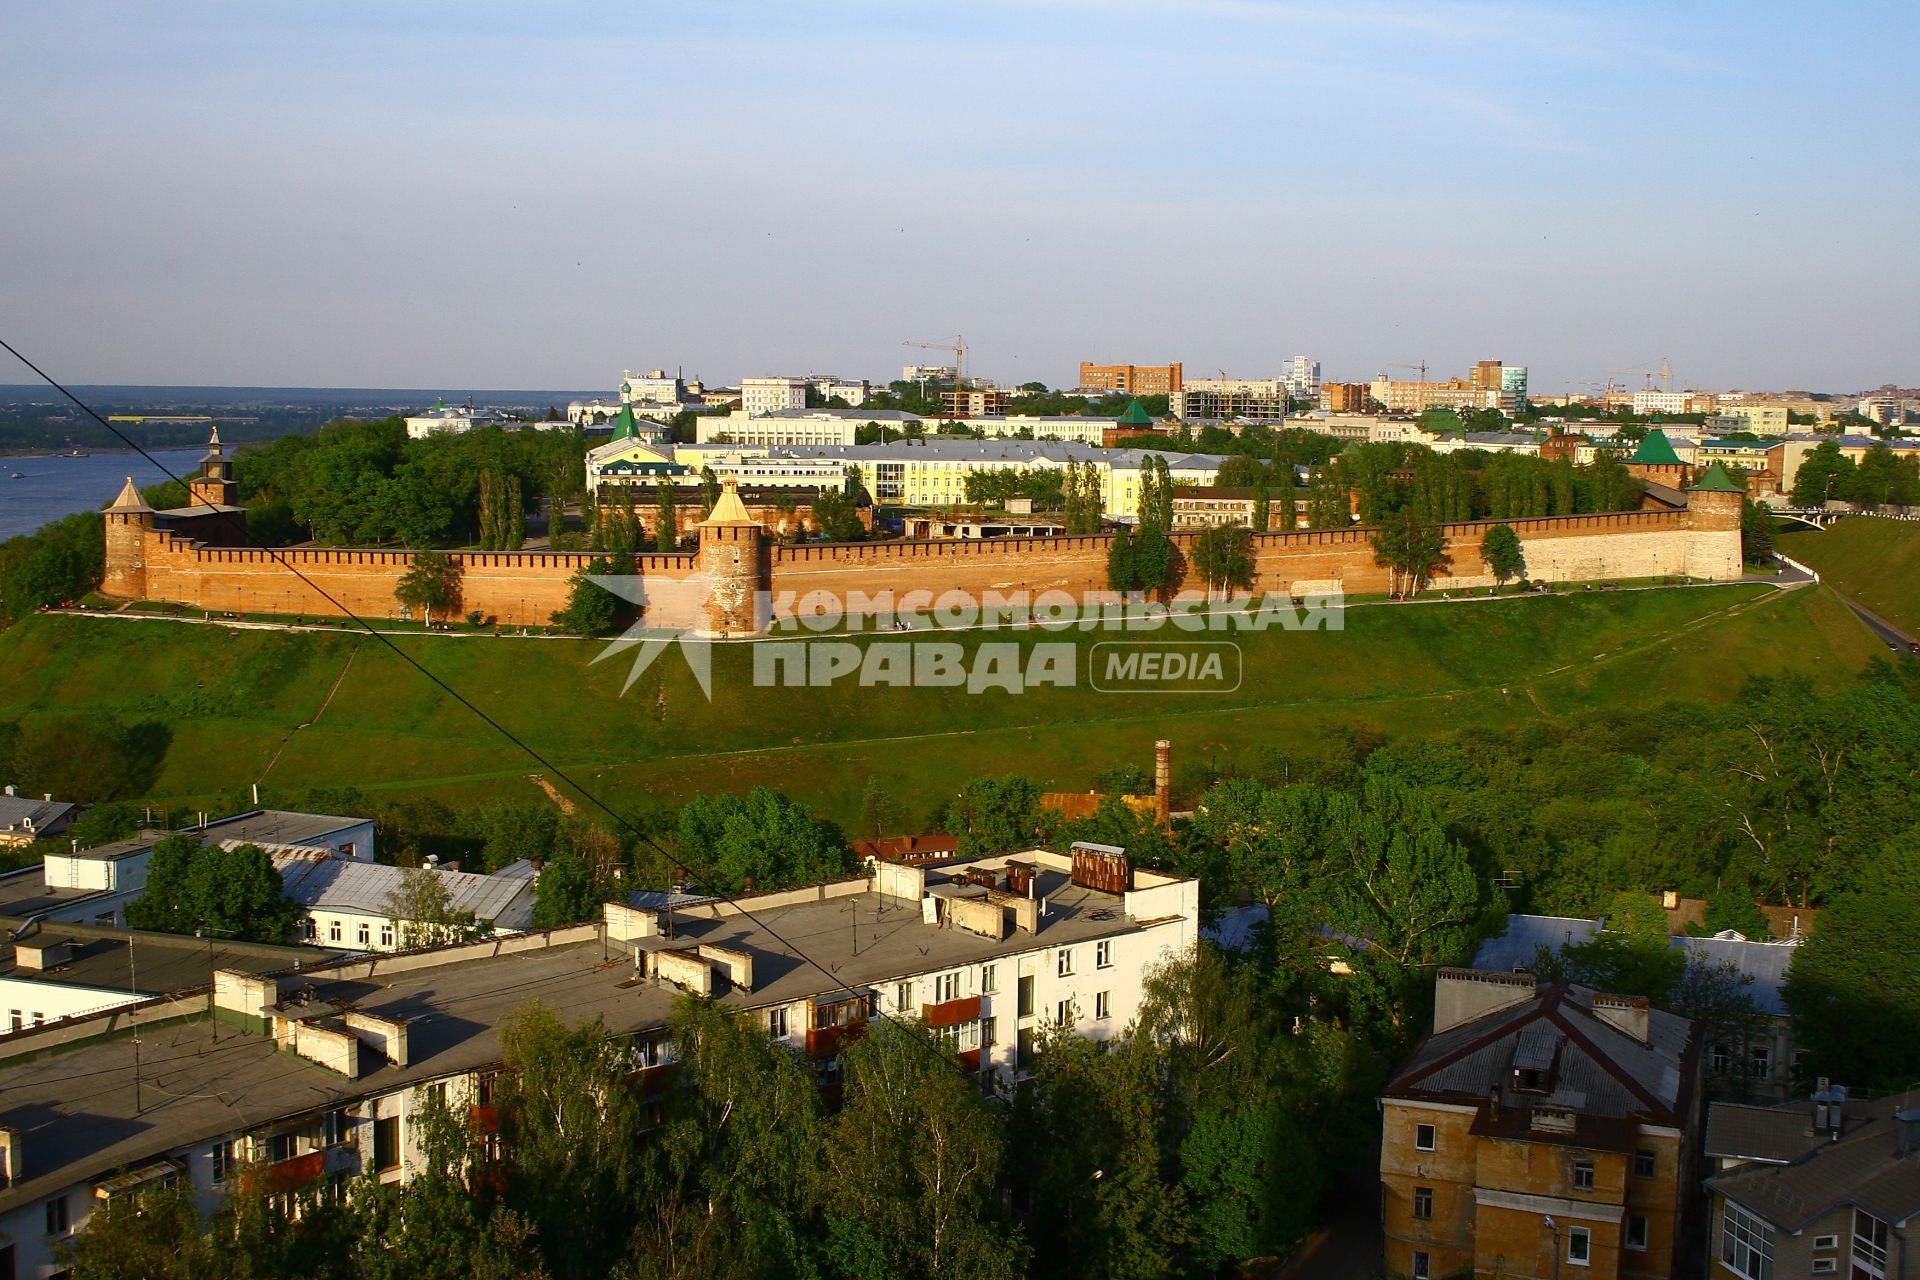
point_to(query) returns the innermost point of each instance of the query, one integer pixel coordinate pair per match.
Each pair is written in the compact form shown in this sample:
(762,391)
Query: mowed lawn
(239,699)
(1873,560)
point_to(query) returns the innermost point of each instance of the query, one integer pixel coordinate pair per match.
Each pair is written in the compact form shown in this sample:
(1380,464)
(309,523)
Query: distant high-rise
(1302,378)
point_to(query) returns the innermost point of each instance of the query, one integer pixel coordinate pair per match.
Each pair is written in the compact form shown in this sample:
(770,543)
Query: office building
(1132,379)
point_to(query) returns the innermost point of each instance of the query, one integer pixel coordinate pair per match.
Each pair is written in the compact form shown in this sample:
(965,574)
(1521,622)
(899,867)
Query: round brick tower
(129,520)
(729,560)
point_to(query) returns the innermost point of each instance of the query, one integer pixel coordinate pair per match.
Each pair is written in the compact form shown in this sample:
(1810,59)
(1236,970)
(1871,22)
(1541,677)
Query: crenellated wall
(524,588)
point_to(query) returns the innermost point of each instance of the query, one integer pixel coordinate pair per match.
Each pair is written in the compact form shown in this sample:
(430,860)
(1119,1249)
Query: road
(1894,637)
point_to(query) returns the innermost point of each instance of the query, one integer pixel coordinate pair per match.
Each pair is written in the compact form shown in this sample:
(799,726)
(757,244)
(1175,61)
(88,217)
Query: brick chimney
(1162,782)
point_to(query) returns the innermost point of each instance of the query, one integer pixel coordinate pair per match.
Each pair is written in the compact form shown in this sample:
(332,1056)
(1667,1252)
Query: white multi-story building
(442,420)
(1660,401)
(1303,378)
(325,1073)
(760,396)
(827,387)
(656,386)
(781,427)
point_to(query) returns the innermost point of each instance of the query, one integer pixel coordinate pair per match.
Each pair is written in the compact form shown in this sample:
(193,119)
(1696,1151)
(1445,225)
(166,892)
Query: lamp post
(1555,1228)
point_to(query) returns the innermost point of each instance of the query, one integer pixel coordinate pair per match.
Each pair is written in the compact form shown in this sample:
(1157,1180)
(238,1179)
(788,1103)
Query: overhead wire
(625,823)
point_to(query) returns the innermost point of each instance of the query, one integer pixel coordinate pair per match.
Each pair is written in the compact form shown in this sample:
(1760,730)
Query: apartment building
(784,425)
(325,1070)
(976,402)
(1345,397)
(1218,398)
(760,396)
(1133,379)
(1401,396)
(932,471)
(1539,1130)
(1823,1187)
(1302,378)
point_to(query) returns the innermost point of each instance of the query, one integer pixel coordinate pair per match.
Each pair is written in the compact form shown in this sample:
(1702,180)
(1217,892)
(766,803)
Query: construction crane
(1664,373)
(957,345)
(1422,367)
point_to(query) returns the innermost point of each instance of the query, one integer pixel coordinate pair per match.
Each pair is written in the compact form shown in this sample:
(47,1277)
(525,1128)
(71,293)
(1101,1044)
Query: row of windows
(1646,1164)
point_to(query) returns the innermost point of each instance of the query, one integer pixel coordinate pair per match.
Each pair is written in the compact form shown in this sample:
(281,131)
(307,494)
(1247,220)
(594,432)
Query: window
(333,1127)
(333,931)
(386,1143)
(1063,1012)
(437,1093)
(57,1216)
(1103,955)
(1063,962)
(1583,1175)
(1423,1136)
(1023,1047)
(224,1158)
(1579,1246)
(1636,1231)
(310,930)
(1103,1005)
(1025,1007)
(1423,1204)
(902,997)
(1645,1164)
(365,934)
(19,1019)
(1760,1060)
(777,1023)
(1826,1266)
(1720,1060)
(1821,1243)
(987,984)
(1869,1245)
(1422,1265)
(386,933)
(946,987)
(1746,1243)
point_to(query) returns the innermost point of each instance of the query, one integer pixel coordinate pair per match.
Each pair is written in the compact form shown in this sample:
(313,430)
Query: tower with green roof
(1715,503)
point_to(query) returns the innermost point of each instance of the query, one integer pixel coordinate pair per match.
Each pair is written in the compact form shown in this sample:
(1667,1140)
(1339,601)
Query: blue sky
(540,195)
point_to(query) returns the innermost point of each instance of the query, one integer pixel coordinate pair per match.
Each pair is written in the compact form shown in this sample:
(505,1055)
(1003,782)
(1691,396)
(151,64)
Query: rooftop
(277,827)
(1796,1176)
(23,813)
(803,943)
(160,962)
(347,884)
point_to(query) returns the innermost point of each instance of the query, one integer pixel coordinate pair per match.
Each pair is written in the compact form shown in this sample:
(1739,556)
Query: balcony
(290,1175)
(825,1042)
(951,1013)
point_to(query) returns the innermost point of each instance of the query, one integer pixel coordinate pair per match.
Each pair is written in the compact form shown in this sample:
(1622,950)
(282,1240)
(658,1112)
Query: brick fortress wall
(525,588)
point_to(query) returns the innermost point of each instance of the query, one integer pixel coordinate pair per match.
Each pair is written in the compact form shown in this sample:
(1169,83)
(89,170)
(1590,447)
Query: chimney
(9,788)
(1162,782)
(1909,1123)
(1461,995)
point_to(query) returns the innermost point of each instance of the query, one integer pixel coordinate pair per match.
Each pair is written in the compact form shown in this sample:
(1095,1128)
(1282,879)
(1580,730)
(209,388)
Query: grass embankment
(241,701)
(1873,560)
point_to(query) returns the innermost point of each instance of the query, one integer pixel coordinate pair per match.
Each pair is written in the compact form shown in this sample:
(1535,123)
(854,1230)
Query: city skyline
(466,195)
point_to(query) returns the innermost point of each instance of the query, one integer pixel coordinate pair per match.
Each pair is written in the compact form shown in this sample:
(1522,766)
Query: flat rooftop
(194,1088)
(276,826)
(25,893)
(160,962)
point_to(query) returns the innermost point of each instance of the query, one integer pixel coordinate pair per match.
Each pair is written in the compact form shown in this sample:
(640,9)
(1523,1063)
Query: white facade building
(327,1071)
(1303,378)
(781,427)
(352,906)
(760,396)
(1660,401)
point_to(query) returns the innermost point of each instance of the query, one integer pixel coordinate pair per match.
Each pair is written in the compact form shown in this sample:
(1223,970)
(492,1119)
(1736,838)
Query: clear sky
(538,195)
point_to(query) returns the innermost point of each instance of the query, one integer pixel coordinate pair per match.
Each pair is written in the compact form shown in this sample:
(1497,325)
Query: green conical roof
(624,427)
(1656,450)
(1716,480)
(1135,416)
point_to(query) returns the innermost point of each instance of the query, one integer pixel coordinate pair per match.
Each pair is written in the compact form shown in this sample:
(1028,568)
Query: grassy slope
(235,697)
(1873,560)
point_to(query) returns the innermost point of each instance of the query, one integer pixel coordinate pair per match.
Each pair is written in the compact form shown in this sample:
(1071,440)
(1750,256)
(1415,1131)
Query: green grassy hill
(293,711)
(1873,560)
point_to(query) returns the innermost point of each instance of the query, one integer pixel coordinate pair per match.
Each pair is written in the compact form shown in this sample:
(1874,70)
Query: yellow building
(1761,419)
(1539,1130)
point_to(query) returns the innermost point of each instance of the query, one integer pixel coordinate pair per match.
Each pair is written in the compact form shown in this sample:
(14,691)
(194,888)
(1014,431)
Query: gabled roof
(129,499)
(1716,480)
(346,884)
(1602,1072)
(1656,450)
(1867,1165)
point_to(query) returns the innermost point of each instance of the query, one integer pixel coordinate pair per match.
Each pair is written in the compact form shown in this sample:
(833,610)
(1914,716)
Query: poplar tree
(666,521)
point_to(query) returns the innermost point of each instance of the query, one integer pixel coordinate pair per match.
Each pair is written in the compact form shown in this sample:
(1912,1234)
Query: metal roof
(366,888)
(1764,964)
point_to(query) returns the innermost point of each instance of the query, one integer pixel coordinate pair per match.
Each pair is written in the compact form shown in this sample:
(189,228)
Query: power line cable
(619,819)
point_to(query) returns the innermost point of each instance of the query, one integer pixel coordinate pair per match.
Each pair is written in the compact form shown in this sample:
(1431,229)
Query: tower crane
(957,345)
(1664,373)
(1422,367)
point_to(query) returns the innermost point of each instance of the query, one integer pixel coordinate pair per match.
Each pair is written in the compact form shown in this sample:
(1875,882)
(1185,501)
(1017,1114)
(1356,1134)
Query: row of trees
(1193,1140)
(1878,478)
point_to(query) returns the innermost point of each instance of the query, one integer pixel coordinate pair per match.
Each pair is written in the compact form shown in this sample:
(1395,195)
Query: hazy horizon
(477,195)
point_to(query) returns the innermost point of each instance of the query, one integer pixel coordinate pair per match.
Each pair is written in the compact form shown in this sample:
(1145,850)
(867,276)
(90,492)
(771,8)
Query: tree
(761,840)
(879,813)
(430,585)
(1223,554)
(666,520)
(837,517)
(994,815)
(1410,549)
(1824,474)
(1121,571)
(1500,549)
(914,1158)
(1262,507)
(1854,988)
(565,893)
(709,489)
(424,911)
(196,888)
(591,609)
(1756,533)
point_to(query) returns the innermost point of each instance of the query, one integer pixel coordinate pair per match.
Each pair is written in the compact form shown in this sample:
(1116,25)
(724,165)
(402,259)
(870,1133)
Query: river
(51,487)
